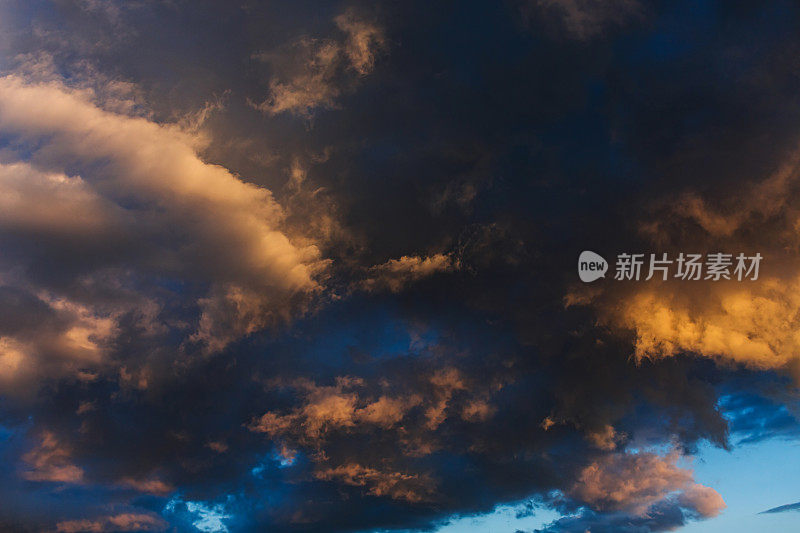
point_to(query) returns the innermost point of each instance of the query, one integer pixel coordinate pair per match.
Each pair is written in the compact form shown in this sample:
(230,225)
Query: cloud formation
(214,317)
(395,274)
(635,492)
(123,200)
(749,323)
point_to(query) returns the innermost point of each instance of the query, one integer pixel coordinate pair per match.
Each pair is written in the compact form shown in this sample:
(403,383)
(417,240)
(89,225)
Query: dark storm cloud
(420,179)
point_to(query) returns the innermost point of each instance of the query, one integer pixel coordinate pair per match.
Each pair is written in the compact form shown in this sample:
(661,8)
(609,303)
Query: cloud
(51,461)
(150,485)
(783,508)
(344,407)
(702,501)
(606,438)
(634,482)
(635,492)
(587,19)
(752,326)
(760,201)
(117,522)
(45,335)
(665,517)
(318,71)
(396,485)
(107,188)
(327,413)
(458,176)
(158,167)
(752,323)
(396,274)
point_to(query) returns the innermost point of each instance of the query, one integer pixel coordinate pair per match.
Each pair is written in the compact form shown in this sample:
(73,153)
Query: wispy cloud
(311,74)
(587,19)
(783,508)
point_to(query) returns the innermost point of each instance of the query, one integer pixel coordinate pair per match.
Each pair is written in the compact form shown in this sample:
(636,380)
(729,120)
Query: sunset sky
(310,266)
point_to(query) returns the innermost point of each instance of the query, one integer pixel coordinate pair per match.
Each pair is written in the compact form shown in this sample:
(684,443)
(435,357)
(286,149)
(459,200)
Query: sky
(316,266)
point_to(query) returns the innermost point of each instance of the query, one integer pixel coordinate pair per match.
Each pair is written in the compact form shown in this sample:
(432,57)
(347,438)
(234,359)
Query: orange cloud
(51,461)
(312,79)
(118,522)
(396,274)
(396,485)
(148,184)
(335,407)
(753,325)
(325,413)
(606,438)
(633,482)
(147,485)
(70,337)
(749,323)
